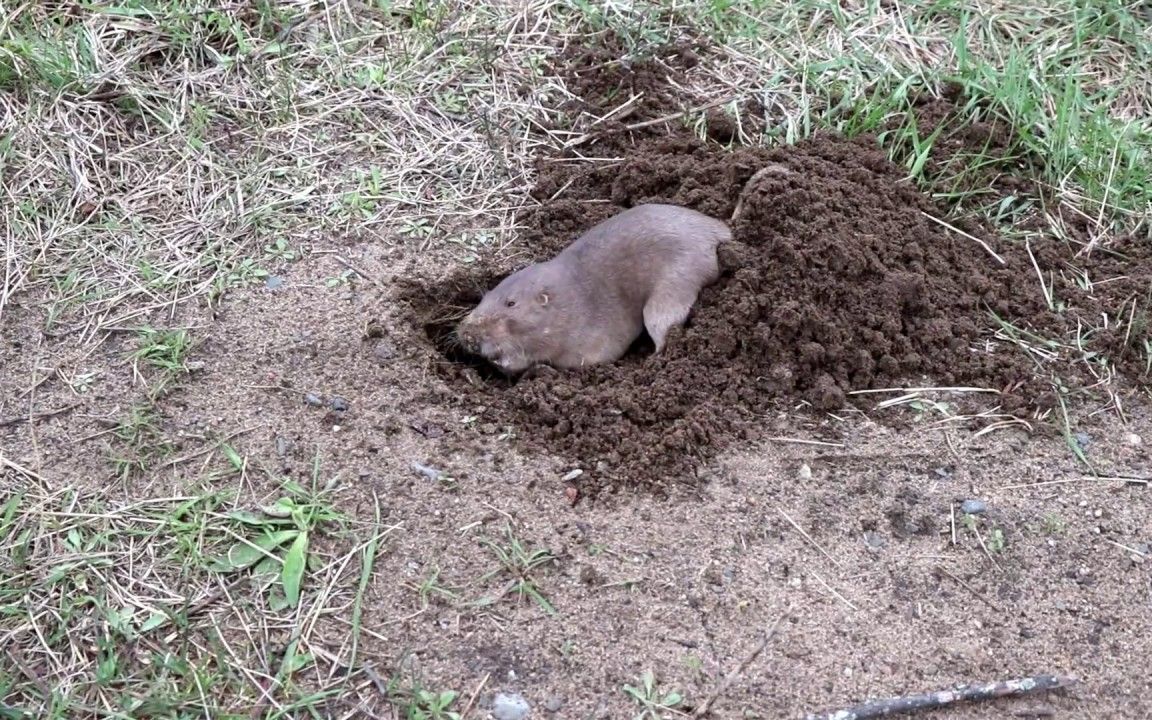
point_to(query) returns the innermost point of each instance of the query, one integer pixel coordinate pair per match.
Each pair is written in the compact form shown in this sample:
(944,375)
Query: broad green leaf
(10,510)
(248,517)
(293,571)
(268,567)
(156,620)
(243,554)
(282,508)
(233,456)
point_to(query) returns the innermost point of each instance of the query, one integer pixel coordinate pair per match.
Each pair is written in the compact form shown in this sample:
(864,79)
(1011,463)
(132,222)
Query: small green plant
(428,705)
(472,243)
(1052,524)
(430,587)
(274,542)
(996,541)
(82,382)
(341,280)
(246,272)
(280,250)
(416,227)
(520,564)
(415,702)
(163,349)
(651,699)
(693,663)
(420,704)
(141,442)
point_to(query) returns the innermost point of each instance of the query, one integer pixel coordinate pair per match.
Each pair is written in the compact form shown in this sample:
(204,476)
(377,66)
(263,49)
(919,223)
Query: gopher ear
(543,297)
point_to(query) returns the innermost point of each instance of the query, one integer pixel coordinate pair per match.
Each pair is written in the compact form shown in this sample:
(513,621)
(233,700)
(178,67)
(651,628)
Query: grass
(128,609)
(173,157)
(517,566)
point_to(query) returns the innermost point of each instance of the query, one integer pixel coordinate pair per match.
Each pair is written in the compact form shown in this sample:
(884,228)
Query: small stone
(572,475)
(509,706)
(554,703)
(384,352)
(1083,438)
(429,472)
(338,404)
(805,472)
(313,399)
(273,282)
(1133,439)
(874,540)
(973,507)
(283,445)
(194,365)
(942,472)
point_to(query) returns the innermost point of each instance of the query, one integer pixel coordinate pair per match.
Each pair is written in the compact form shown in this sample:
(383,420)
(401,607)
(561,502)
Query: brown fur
(640,269)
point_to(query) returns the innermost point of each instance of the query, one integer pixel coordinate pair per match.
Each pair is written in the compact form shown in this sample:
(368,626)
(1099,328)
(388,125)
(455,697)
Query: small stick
(969,588)
(647,123)
(807,537)
(5,462)
(802,441)
(731,677)
(958,231)
(832,590)
(30,417)
(943,698)
(475,694)
(348,264)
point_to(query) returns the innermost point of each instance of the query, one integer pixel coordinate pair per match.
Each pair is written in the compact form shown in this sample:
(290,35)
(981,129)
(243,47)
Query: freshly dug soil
(838,279)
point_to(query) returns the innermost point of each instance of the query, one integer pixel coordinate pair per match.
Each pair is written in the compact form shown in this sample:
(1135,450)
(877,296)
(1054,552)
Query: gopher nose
(466,331)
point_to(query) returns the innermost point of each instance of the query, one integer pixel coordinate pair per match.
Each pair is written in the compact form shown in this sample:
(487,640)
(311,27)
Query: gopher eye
(509,303)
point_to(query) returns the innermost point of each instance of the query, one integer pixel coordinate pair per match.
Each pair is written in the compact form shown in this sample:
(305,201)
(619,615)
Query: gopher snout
(466,335)
(471,332)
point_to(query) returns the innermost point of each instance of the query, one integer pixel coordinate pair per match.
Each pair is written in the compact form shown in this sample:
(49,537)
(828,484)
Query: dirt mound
(618,90)
(840,278)
(837,280)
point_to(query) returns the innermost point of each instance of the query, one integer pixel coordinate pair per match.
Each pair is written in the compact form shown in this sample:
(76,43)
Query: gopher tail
(770,169)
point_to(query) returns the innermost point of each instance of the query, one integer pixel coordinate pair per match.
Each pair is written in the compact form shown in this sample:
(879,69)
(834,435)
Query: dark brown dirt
(618,87)
(837,281)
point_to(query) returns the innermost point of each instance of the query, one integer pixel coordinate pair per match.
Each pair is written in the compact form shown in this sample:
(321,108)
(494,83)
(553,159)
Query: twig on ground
(970,589)
(731,677)
(958,231)
(475,694)
(31,417)
(5,462)
(808,537)
(348,264)
(647,123)
(943,698)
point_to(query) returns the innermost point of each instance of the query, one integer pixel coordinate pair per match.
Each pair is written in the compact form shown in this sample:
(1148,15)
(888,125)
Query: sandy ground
(857,548)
